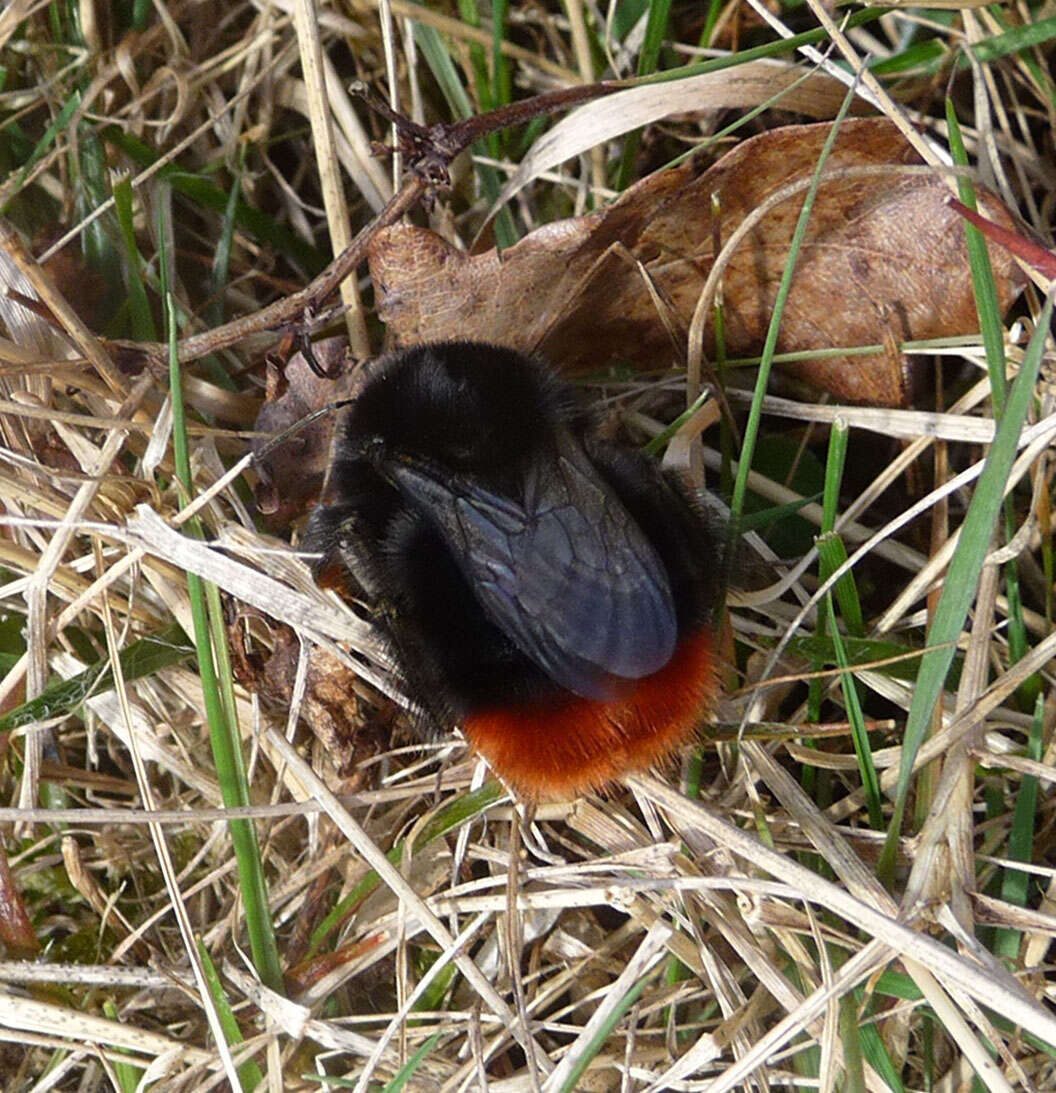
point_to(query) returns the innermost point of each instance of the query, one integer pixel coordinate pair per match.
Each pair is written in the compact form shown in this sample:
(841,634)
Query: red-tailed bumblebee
(542,589)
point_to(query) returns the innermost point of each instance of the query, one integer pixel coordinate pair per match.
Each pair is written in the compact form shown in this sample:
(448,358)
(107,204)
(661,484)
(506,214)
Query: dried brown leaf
(291,473)
(16,928)
(884,261)
(352,724)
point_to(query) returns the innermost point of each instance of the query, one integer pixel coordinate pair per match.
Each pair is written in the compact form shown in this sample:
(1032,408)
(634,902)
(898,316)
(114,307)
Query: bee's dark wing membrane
(568,576)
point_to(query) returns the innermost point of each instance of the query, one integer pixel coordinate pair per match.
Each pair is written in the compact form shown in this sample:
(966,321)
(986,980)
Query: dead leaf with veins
(883,262)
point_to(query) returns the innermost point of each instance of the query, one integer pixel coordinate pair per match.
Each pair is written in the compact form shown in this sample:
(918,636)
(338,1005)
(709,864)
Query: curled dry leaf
(16,928)
(350,722)
(349,727)
(291,473)
(884,261)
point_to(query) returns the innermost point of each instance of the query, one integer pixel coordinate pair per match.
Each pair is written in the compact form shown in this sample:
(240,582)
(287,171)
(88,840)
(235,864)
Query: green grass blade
(861,651)
(142,319)
(1035,63)
(90,174)
(249,1074)
(218,275)
(850,1038)
(836,460)
(648,58)
(958,589)
(921,59)
(128,1074)
(983,283)
(875,1051)
(207,194)
(438,58)
(1015,883)
(859,735)
(477,58)
(1012,41)
(751,429)
(142,658)
(502,80)
(602,1035)
(773,514)
(782,47)
(710,22)
(217,694)
(832,553)
(450,817)
(993,332)
(40,149)
(406,1072)
(141,12)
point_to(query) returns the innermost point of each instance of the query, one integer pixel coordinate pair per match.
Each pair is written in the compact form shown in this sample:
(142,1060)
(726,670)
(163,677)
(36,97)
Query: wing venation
(563,570)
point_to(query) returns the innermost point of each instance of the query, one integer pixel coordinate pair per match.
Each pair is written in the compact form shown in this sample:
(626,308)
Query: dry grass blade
(747,85)
(395,881)
(718,925)
(313,67)
(952,969)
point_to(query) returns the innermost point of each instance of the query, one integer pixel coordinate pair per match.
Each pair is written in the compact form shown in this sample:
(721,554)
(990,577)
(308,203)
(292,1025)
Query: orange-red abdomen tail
(566,745)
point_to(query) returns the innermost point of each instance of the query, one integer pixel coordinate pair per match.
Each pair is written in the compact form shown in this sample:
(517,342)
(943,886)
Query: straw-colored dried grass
(738,941)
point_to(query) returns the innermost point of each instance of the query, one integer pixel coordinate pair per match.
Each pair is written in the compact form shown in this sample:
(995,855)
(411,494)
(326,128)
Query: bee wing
(567,575)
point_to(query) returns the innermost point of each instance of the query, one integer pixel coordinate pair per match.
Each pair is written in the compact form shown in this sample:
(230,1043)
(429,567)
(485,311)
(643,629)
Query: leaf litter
(725,961)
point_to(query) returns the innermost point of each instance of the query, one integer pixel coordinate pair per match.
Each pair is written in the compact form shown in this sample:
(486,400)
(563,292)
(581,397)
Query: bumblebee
(543,590)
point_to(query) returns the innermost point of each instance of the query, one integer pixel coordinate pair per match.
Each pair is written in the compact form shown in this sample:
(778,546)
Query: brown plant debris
(883,262)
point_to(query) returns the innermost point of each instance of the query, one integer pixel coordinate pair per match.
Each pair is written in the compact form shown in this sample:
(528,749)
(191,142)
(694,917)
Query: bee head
(469,406)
